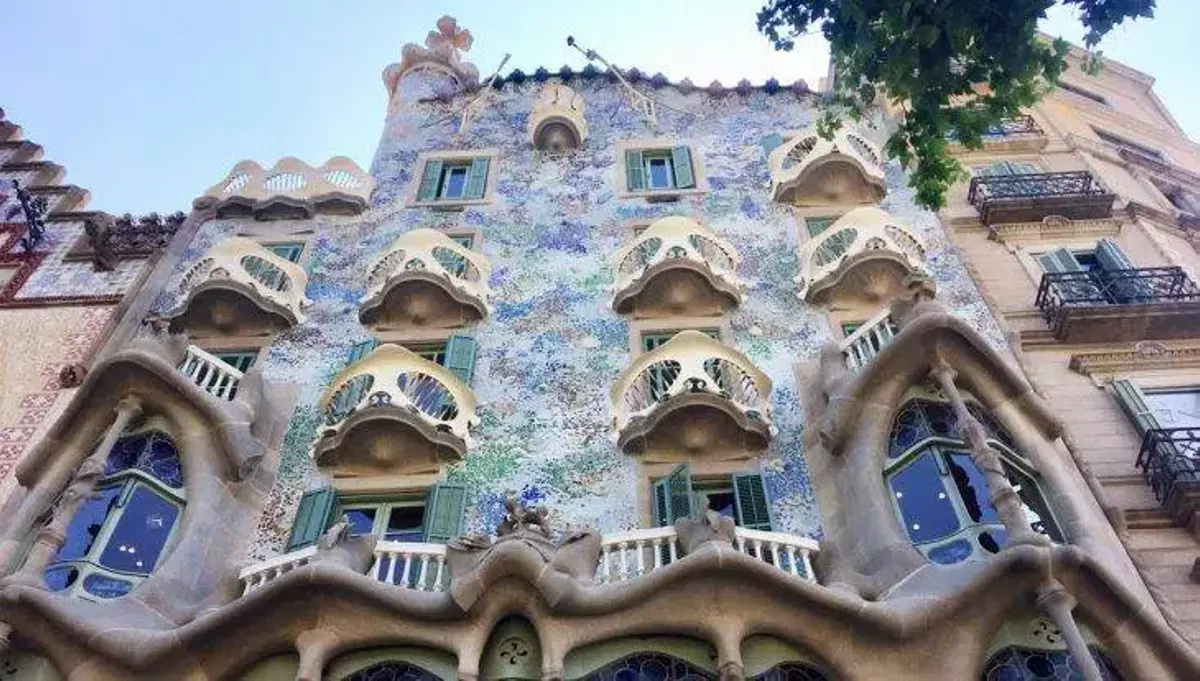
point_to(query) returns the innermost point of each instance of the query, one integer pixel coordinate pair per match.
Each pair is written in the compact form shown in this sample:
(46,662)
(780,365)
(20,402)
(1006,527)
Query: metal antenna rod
(640,101)
(471,110)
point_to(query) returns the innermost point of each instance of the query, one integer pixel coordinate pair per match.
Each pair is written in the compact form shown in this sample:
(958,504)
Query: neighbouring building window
(1100,288)
(741,497)
(1120,142)
(454,180)
(1018,663)
(1152,409)
(659,169)
(1086,94)
(940,495)
(1006,168)
(120,534)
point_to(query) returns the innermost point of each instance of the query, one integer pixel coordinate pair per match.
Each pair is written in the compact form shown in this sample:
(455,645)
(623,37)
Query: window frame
(383,506)
(659,147)
(453,157)
(1083,93)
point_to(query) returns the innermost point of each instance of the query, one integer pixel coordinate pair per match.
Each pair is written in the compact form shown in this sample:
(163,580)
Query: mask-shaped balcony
(692,394)
(676,267)
(426,279)
(394,412)
(865,254)
(809,170)
(556,122)
(241,288)
(292,190)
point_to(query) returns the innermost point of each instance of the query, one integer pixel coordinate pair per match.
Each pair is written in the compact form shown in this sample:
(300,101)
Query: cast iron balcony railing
(1029,197)
(1017,125)
(1065,298)
(1170,461)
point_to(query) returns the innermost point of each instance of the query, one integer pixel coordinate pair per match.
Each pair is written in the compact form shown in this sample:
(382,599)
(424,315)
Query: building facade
(592,376)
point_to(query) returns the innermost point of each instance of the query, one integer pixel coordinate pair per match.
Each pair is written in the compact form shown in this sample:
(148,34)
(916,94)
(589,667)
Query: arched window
(791,671)
(119,535)
(648,665)
(1017,663)
(392,671)
(938,492)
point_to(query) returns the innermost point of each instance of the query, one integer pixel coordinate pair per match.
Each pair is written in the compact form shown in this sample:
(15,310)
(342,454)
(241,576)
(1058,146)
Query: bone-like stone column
(54,534)
(1002,495)
(1054,600)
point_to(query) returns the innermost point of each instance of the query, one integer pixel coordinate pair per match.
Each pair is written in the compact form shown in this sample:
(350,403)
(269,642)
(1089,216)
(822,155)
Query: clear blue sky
(148,102)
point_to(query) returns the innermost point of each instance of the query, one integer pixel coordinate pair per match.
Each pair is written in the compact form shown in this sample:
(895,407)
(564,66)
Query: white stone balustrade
(557,121)
(628,555)
(210,373)
(393,376)
(691,362)
(248,263)
(788,552)
(677,240)
(259,574)
(293,179)
(411,565)
(432,252)
(795,162)
(862,235)
(868,340)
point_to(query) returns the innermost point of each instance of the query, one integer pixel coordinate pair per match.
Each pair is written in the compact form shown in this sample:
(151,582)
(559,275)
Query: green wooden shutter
(681,158)
(635,172)
(1111,257)
(753,506)
(673,496)
(476,179)
(769,143)
(430,181)
(1133,402)
(444,512)
(314,516)
(360,350)
(1059,260)
(460,357)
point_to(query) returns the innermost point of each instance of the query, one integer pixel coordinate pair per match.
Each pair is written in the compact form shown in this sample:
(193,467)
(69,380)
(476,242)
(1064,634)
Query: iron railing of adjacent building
(1017,125)
(1170,456)
(1060,291)
(987,188)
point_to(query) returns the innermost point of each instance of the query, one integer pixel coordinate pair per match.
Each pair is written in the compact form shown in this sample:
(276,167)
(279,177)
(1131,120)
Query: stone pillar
(1054,601)
(52,536)
(1002,495)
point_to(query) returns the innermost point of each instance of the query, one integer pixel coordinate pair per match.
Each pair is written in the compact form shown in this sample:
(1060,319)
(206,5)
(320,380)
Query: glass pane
(1032,503)
(658,172)
(942,420)
(925,507)
(406,523)
(105,586)
(87,523)
(125,453)
(1175,409)
(141,533)
(720,500)
(972,488)
(59,578)
(362,521)
(456,180)
(161,460)
(909,429)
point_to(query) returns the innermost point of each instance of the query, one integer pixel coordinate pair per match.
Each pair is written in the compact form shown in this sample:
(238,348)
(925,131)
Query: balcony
(809,170)
(241,288)
(865,254)
(1170,462)
(292,190)
(1020,134)
(693,395)
(392,413)
(557,121)
(426,279)
(676,267)
(1030,197)
(625,556)
(212,374)
(868,340)
(1150,303)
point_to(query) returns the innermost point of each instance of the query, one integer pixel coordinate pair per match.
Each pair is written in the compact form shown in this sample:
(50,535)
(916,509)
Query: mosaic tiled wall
(552,347)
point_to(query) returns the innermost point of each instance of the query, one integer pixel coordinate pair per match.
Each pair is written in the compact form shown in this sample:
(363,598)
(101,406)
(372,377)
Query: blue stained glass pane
(61,577)
(791,671)
(953,552)
(141,533)
(105,586)
(362,521)
(942,420)
(972,488)
(924,505)
(648,667)
(1026,664)
(125,452)
(87,523)
(909,429)
(392,671)
(161,460)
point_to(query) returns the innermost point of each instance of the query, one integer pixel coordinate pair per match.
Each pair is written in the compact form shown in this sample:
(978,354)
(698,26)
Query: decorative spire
(443,51)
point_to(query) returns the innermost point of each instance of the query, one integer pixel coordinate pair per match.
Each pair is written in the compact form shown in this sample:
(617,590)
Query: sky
(148,103)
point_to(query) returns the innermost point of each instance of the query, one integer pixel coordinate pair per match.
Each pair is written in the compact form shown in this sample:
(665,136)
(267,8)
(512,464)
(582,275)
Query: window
(1120,142)
(1153,409)
(659,169)
(1086,94)
(394,520)
(393,670)
(454,180)
(241,360)
(467,241)
(741,497)
(1006,168)
(649,665)
(456,353)
(938,492)
(1105,275)
(1018,663)
(118,536)
(431,516)
(288,251)
(817,225)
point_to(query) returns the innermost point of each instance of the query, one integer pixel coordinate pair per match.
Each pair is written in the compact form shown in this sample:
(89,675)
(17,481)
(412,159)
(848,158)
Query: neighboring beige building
(1081,226)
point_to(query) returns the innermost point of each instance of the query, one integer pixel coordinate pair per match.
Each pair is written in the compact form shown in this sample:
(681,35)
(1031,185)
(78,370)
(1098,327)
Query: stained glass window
(392,671)
(791,671)
(118,536)
(1027,664)
(649,667)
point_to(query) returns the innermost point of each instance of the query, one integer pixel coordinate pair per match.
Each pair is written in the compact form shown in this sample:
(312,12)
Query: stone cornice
(1103,365)
(1053,228)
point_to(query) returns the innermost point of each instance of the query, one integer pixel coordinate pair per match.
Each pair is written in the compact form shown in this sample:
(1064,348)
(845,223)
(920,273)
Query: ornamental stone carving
(557,121)
(809,170)
(290,190)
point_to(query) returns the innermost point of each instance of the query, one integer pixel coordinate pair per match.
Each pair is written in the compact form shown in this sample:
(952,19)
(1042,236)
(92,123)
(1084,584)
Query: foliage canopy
(955,68)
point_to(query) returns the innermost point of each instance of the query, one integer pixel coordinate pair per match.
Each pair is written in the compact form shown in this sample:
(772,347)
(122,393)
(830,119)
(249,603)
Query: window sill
(449,206)
(662,195)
